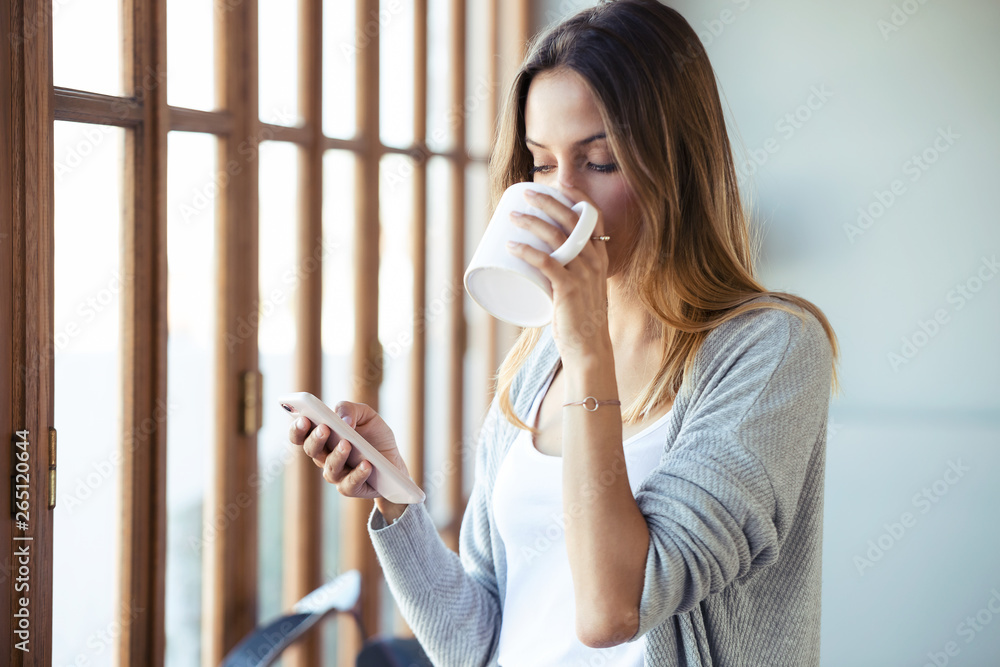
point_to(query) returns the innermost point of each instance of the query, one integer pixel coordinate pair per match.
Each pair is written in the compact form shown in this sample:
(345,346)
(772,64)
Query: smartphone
(386,478)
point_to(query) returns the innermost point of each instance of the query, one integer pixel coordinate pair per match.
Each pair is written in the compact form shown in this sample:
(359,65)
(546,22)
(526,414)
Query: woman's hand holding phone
(332,454)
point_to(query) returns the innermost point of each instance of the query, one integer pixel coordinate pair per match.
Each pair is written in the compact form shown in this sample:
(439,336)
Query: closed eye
(601,168)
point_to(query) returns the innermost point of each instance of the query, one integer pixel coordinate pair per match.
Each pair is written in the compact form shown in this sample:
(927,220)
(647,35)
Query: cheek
(616,202)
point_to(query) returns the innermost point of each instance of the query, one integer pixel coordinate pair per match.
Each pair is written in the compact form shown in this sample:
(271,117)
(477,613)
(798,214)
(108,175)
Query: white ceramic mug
(506,286)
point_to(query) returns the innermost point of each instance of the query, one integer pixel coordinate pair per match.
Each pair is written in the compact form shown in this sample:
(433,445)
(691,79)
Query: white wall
(889,94)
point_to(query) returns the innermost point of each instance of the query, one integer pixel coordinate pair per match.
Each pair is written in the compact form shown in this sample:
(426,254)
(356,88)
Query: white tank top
(538,624)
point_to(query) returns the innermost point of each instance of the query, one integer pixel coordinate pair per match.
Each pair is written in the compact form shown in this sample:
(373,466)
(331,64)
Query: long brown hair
(656,90)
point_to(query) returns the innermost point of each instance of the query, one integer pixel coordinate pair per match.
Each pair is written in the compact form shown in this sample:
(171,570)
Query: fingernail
(364,466)
(346,418)
(342,447)
(517,214)
(512,244)
(300,423)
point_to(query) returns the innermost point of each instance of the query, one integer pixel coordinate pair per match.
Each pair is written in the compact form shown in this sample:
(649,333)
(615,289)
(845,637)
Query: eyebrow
(599,135)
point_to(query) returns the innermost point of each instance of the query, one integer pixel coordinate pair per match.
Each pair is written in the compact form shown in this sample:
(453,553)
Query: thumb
(348,412)
(355,414)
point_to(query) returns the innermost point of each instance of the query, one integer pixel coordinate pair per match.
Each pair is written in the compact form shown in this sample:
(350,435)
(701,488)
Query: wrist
(596,355)
(592,376)
(390,510)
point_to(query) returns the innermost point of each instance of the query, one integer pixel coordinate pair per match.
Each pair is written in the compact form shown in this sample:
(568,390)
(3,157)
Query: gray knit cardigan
(734,509)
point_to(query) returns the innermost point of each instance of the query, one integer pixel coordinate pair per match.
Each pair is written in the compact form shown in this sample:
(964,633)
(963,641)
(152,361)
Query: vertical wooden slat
(26,299)
(418,358)
(456,321)
(358,552)
(144,340)
(230,567)
(522,25)
(303,485)
(492,73)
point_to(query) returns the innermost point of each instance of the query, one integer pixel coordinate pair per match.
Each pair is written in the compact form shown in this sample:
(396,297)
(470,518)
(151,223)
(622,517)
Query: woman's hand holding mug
(579,287)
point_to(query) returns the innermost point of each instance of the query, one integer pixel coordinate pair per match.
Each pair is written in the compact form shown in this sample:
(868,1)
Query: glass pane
(338,340)
(341,44)
(439,130)
(192,186)
(396,75)
(438,284)
(278,60)
(88,284)
(86,45)
(477,79)
(396,320)
(276,315)
(478,370)
(395,317)
(191,54)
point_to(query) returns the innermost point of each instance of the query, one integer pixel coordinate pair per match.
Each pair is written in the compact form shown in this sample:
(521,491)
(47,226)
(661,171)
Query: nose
(564,184)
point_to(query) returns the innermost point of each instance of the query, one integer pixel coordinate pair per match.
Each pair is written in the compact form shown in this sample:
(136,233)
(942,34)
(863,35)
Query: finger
(547,232)
(353,413)
(542,261)
(315,444)
(335,462)
(298,430)
(353,484)
(562,214)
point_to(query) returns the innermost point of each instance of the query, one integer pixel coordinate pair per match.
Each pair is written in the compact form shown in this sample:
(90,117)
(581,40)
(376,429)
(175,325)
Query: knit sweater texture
(734,510)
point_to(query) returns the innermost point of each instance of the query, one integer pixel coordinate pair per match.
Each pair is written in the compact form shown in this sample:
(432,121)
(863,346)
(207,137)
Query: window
(197,218)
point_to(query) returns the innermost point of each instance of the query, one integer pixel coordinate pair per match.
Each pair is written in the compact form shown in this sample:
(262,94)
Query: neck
(631,326)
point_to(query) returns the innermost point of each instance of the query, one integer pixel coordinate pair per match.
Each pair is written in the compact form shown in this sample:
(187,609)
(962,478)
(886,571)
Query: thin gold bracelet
(591,401)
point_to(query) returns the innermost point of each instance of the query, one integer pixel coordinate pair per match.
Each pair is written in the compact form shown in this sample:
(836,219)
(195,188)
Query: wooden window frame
(27,295)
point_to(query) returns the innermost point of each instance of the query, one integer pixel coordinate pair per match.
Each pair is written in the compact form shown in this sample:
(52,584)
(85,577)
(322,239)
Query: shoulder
(767,337)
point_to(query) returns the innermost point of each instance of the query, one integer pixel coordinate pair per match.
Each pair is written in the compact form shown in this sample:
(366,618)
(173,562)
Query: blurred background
(867,136)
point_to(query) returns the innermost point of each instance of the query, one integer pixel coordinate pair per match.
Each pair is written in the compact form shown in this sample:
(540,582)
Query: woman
(679,521)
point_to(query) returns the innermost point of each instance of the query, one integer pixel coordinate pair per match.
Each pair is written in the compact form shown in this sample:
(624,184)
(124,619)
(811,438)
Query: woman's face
(565,134)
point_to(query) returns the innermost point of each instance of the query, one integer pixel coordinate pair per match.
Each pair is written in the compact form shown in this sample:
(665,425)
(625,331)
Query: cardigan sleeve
(451,601)
(721,500)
